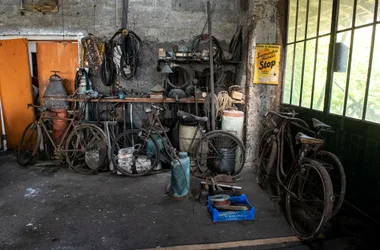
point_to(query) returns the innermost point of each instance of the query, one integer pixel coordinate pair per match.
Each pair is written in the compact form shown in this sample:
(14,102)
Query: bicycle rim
(218,151)
(338,177)
(28,144)
(146,155)
(267,160)
(312,185)
(76,145)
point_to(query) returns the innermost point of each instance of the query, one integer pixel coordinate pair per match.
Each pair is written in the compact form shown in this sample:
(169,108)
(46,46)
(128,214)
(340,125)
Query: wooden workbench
(188,100)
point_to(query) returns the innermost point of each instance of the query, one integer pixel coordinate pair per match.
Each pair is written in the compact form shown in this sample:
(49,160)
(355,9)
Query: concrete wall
(263,21)
(159,23)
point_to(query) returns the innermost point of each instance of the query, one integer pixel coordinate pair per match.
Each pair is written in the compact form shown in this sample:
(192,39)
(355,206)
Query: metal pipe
(3,134)
(131,114)
(116,13)
(124,21)
(211,58)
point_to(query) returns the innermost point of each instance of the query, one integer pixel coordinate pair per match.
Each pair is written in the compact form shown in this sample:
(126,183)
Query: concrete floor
(45,209)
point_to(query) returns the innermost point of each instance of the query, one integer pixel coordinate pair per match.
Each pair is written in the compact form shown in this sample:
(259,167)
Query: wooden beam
(234,244)
(144,100)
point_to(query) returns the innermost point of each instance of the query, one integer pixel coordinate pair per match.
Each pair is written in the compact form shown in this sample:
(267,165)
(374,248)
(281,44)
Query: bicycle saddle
(305,139)
(320,125)
(183,114)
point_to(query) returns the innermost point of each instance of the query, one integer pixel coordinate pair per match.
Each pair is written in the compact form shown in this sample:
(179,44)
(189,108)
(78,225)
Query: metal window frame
(330,70)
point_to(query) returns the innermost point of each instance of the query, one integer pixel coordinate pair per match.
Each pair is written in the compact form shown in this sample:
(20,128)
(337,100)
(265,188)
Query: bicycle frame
(58,148)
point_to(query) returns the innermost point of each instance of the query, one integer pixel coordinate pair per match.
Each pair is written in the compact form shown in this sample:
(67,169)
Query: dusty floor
(43,209)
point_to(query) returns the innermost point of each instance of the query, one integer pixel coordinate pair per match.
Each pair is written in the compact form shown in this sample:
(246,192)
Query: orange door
(58,56)
(15,88)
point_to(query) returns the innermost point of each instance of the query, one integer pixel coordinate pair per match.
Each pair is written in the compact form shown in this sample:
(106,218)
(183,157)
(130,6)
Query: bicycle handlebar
(197,118)
(41,108)
(288,116)
(156,107)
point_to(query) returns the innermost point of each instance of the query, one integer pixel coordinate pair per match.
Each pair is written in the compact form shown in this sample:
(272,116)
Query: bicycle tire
(137,133)
(328,204)
(339,167)
(225,138)
(77,161)
(24,157)
(267,160)
(264,138)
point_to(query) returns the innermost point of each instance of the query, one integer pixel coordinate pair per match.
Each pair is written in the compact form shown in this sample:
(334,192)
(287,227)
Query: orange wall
(15,88)
(59,56)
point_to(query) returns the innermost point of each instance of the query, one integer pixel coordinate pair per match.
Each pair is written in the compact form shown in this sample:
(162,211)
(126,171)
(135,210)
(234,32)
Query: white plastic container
(233,121)
(186,134)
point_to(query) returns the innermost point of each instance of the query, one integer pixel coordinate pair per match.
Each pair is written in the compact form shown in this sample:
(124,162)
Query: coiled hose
(108,67)
(129,44)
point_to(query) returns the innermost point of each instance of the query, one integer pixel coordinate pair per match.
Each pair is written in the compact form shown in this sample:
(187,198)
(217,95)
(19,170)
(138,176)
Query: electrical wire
(108,67)
(126,47)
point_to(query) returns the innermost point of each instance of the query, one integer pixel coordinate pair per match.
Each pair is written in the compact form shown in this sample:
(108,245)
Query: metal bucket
(225,164)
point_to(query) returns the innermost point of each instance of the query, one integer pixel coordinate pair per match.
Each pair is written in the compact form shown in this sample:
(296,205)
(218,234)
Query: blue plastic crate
(218,216)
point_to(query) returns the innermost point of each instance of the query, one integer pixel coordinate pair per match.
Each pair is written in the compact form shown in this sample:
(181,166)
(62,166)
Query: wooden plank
(145,100)
(15,88)
(235,244)
(60,56)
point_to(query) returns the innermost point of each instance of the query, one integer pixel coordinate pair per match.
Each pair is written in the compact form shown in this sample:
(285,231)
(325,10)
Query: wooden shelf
(191,60)
(188,100)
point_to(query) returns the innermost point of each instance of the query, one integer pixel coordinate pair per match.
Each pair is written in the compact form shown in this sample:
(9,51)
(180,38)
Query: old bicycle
(309,197)
(150,144)
(70,146)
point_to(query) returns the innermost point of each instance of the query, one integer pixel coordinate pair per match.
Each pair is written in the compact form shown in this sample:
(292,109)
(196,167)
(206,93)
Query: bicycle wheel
(145,156)
(76,145)
(266,136)
(338,177)
(267,160)
(312,207)
(221,152)
(28,144)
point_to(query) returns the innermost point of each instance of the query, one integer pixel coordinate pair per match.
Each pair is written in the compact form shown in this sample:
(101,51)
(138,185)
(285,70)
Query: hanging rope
(224,102)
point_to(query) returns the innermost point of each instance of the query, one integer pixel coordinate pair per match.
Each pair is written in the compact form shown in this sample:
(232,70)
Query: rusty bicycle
(70,146)
(305,183)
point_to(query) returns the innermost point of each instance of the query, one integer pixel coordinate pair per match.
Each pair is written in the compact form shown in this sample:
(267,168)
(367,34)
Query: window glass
(308,74)
(340,77)
(364,12)
(325,21)
(297,80)
(312,19)
(301,25)
(359,72)
(288,74)
(373,106)
(321,72)
(346,9)
(292,20)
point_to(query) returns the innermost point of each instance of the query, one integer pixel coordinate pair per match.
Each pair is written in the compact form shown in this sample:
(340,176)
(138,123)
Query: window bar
(294,52)
(350,58)
(331,56)
(304,52)
(370,61)
(316,53)
(285,39)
